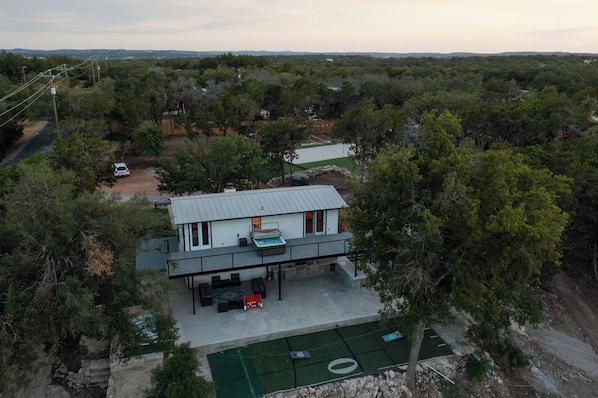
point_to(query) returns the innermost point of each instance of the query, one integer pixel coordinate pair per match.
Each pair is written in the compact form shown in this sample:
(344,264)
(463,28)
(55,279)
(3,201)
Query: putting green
(267,367)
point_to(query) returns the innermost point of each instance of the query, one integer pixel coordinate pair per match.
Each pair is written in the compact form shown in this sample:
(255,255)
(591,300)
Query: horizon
(329,26)
(35,51)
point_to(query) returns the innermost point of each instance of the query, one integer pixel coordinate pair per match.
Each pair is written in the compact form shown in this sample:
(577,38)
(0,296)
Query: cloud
(309,25)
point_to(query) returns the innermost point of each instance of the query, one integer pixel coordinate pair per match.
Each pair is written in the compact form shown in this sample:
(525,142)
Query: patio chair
(235,279)
(205,292)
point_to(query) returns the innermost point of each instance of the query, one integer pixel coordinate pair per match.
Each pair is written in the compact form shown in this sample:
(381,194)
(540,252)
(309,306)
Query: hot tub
(268,242)
(262,243)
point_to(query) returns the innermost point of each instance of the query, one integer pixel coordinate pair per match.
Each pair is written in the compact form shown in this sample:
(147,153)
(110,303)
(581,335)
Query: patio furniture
(235,279)
(392,336)
(236,304)
(300,354)
(205,294)
(258,286)
(254,301)
(222,306)
(218,283)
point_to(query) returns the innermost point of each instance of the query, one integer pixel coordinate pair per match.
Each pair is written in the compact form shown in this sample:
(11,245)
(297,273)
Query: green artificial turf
(267,367)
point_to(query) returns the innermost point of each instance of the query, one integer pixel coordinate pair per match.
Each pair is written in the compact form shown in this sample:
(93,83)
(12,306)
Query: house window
(314,222)
(309,222)
(205,234)
(256,223)
(194,235)
(319,221)
(200,234)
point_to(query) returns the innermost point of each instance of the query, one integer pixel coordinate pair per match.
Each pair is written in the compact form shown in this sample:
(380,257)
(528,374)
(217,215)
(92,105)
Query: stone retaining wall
(386,384)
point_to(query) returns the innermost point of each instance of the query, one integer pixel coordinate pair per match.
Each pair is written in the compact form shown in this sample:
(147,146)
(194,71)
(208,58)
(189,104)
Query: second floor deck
(200,262)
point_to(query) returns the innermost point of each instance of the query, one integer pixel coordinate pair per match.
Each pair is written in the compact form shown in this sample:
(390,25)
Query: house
(252,231)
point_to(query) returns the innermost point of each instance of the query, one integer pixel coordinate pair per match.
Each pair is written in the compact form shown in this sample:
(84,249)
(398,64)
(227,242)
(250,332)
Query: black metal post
(356,265)
(193,293)
(279,283)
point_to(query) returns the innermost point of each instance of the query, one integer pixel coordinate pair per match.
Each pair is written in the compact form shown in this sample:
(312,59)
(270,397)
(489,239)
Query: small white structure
(247,229)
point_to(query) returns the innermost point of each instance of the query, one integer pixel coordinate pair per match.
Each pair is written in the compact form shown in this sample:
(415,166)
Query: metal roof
(256,203)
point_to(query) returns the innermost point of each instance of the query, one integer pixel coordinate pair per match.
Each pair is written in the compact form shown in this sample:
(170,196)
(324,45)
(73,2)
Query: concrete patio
(308,304)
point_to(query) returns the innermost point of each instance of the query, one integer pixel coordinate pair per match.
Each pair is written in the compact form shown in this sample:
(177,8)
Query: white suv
(121,170)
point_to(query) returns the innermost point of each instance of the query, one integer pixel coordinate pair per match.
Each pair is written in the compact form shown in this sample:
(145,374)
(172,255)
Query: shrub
(178,376)
(477,368)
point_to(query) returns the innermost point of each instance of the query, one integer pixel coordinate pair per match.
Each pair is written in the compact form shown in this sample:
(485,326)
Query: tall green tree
(197,121)
(207,165)
(90,158)
(229,111)
(148,139)
(368,129)
(280,139)
(446,226)
(67,269)
(577,159)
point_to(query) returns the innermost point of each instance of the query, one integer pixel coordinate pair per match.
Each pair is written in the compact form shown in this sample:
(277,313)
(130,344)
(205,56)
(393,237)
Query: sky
(320,26)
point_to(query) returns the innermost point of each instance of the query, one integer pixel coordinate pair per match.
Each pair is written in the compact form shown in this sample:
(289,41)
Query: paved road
(39,143)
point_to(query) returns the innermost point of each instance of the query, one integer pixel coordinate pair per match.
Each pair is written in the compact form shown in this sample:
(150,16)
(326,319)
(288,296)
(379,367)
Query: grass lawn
(266,173)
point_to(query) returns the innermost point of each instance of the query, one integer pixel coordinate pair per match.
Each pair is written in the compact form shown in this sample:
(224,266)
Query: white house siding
(187,240)
(227,233)
(332,222)
(289,225)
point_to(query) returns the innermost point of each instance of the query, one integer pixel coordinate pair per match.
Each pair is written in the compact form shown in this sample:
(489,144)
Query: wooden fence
(319,126)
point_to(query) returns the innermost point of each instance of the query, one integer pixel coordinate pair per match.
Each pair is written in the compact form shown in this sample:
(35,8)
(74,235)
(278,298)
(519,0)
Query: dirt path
(563,360)
(584,316)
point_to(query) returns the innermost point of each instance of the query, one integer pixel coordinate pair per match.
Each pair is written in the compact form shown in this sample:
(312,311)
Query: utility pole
(98,72)
(24,76)
(93,72)
(53,92)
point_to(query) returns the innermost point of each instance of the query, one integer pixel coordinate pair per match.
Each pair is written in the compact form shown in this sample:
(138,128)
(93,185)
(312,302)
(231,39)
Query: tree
(445,226)
(67,268)
(577,159)
(229,111)
(96,102)
(280,139)
(90,157)
(148,139)
(197,120)
(208,165)
(178,376)
(10,133)
(368,129)
(129,113)
(182,92)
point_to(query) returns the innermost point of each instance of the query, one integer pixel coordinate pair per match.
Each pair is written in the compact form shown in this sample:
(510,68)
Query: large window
(314,222)
(205,234)
(194,235)
(320,222)
(309,222)
(200,230)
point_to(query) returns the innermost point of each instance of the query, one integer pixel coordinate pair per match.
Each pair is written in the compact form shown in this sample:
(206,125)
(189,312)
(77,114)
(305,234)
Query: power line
(37,95)
(29,83)
(25,100)
(25,108)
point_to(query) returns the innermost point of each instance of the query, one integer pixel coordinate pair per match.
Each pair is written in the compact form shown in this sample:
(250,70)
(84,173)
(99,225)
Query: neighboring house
(255,230)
